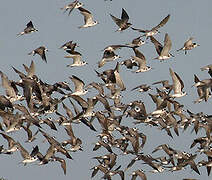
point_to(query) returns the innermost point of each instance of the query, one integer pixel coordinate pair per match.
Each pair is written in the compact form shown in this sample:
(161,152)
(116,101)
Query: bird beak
(171,55)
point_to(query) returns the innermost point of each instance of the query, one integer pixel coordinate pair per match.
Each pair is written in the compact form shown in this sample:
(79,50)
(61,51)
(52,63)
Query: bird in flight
(29,29)
(123,22)
(154,30)
(88,18)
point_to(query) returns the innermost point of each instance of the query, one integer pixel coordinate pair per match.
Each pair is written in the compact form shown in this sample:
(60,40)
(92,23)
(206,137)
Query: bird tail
(31,53)
(180,49)
(101,63)
(20,34)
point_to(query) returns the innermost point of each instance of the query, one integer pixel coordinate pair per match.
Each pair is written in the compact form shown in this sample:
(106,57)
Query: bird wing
(188,42)
(124,16)
(88,17)
(176,82)
(139,30)
(158,46)
(167,46)
(141,62)
(7,85)
(29,24)
(78,83)
(116,20)
(162,23)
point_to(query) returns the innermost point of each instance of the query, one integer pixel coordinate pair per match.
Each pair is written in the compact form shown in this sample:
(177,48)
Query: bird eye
(137,109)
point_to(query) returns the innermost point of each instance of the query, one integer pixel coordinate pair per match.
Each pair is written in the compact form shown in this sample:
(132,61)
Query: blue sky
(188,18)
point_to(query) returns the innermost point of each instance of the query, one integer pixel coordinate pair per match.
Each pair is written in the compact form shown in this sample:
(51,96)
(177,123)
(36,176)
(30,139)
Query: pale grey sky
(188,18)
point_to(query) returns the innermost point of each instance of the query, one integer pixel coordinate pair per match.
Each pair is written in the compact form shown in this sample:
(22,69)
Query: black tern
(69,45)
(79,86)
(108,56)
(12,144)
(76,56)
(141,60)
(178,84)
(188,45)
(137,42)
(10,88)
(163,51)
(29,29)
(71,6)
(154,30)
(129,63)
(27,158)
(123,22)
(139,173)
(209,68)
(88,18)
(41,51)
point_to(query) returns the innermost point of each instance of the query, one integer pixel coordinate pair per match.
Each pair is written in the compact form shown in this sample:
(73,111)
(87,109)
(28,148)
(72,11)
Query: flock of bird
(28,104)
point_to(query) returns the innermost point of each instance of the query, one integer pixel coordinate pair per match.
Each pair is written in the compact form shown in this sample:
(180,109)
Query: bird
(129,63)
(12,93)
(29,134)
(139,173)
(137,42)
(30,70)
(56,146)
(204,83)
(102,144)
(71,6)
(88,18)
(163,51)
(207,164)
(73,141)
(62,162)
(76,56)
(165,83)
(115,47)
(5,103)
(88,112)
(203,91)
(28,158)
(97,86)
(209,68)
(48,121)
(109,55)
(188,45)
(29,29)
(141,60)
(178,85)
(148,160)
(142,88)
(12,144)
(118,79)
(123,22)
(79,86)
(69,45)
(40,51)
(109,160)
(63,85)
(154,30)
